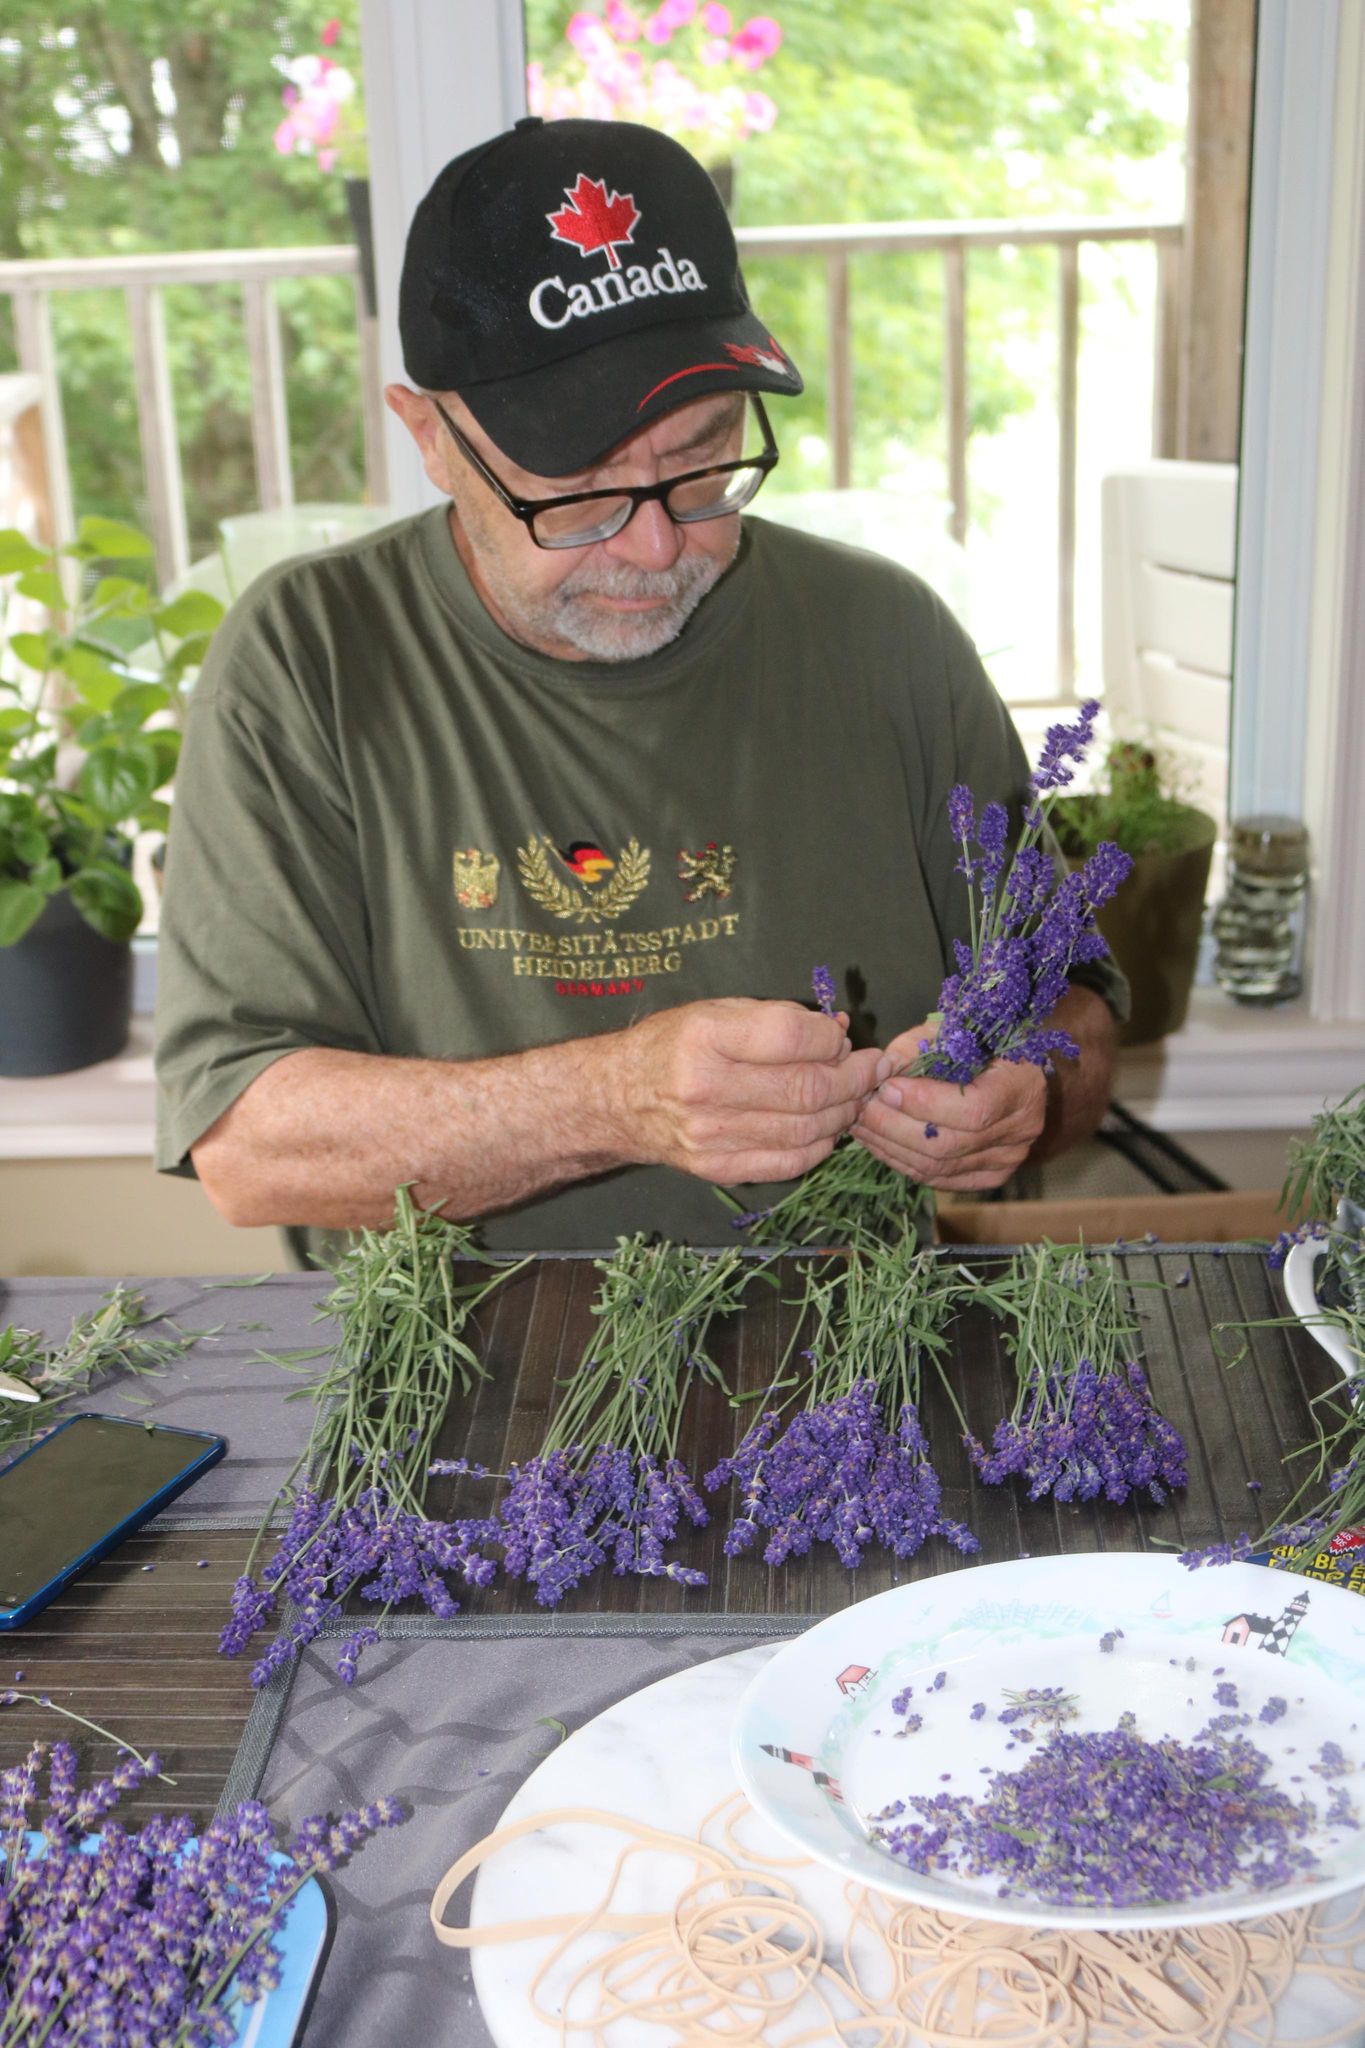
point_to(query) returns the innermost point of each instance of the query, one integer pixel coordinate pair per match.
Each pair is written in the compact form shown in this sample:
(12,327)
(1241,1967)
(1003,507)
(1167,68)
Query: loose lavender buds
(1111,1818)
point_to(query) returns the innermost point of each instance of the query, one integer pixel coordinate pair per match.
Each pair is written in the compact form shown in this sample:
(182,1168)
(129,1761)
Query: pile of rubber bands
(740,1960)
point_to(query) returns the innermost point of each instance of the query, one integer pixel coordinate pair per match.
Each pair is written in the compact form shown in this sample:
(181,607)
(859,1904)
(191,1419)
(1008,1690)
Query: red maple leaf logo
(592,221)
(770,358)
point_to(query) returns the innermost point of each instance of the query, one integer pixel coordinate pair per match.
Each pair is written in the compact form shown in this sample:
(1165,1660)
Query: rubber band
(739,1961)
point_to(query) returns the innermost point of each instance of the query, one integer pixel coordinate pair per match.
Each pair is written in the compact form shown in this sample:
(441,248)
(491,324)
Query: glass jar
(1258,926)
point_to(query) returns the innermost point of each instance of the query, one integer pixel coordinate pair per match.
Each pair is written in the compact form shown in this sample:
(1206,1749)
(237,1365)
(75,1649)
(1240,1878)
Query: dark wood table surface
(136,1649)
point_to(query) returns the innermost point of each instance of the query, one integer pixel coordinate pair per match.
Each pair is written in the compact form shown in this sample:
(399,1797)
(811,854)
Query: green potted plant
(1153,924)
(90,711)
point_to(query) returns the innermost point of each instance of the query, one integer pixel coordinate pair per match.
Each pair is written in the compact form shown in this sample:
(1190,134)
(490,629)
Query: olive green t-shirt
(398,831)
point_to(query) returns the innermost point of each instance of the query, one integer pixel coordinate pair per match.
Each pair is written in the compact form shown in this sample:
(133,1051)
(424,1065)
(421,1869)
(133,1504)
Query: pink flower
(331,31)
(758,40)
(759,112)
(624,23)
(716,18)
(657,30)
(327,159)
(587,34)
(717,51)
(677,13)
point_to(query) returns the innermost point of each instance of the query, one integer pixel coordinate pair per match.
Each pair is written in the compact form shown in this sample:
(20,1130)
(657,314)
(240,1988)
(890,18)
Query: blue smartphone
(76,1495)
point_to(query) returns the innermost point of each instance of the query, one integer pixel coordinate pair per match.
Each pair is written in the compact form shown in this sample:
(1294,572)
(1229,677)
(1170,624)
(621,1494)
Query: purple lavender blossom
(992,836)
(1287,1239)
(962,825)
(1080,1435)
(837,1475)
(325,1555)
(151,1936)
(826,995)
(1027,933)
(564,1514)
(1061,745)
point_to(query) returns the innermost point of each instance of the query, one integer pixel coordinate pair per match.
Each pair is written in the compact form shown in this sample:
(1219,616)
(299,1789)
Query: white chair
(1168,546)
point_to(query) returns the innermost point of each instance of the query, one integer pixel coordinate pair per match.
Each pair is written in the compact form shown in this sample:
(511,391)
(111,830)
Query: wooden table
(137,1649)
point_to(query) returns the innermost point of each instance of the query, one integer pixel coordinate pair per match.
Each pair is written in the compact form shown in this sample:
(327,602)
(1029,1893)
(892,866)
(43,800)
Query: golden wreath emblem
(562,899)
(476,878)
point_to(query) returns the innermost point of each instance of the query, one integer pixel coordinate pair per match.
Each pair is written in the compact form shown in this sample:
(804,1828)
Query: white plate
(1302,1296)
(815,1747)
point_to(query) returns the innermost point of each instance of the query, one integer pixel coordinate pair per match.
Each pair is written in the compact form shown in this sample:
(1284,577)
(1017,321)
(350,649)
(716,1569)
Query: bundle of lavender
(608,1481)
(145,1937)
(1028,930)
(850,1199)
(1327,1511)
(1327,1177)
(1083,1419)
(356,1497)
(852,1465)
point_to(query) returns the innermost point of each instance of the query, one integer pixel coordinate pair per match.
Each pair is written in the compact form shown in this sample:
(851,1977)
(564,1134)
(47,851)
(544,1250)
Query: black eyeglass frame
(526,509)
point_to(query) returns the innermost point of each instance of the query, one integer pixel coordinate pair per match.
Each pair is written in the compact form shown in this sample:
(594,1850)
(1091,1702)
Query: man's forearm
(1078,1090)
(324,1137)
(726,1089)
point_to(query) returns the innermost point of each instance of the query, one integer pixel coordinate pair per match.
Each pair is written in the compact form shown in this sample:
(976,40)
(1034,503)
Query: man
(506,840)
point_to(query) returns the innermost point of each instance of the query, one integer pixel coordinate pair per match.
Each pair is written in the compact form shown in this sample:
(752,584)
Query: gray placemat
(453,1728)
(219,1385)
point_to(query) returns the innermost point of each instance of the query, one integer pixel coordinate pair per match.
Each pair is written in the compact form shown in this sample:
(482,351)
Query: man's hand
(1007,1114)
(733,1090)
(985,1130)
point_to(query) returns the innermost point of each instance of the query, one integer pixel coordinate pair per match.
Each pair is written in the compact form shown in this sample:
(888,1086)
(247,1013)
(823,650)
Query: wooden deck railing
(144,279)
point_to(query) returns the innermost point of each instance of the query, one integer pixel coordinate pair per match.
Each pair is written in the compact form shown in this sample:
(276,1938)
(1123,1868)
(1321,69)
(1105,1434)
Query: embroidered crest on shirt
(476,878)
(709,872)
(598,899)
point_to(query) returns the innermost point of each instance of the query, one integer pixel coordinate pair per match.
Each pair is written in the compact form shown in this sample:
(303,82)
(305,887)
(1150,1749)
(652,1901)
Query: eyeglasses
(581,517)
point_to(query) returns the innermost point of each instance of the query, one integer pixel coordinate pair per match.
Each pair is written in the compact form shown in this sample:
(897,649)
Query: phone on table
(79,1492)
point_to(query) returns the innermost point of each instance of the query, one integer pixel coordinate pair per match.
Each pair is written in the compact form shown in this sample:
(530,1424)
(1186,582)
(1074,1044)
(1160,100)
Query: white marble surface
(663,1756)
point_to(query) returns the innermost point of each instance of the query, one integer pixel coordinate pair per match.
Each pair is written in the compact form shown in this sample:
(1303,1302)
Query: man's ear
(423,422)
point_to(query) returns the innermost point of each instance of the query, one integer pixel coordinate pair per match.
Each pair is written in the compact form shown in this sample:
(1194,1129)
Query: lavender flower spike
(826,995)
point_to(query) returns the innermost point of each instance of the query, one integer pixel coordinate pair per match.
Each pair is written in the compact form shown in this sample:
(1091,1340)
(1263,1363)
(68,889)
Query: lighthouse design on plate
(1276,1636)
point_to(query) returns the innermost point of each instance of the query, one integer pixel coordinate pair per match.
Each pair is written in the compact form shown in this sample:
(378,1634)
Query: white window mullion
(1335,710)
(440,75)
(1291,185)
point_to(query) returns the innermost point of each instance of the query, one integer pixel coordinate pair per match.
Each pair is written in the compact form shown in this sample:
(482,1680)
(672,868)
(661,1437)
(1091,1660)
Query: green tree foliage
(130,125)
(148,125)
(921,110)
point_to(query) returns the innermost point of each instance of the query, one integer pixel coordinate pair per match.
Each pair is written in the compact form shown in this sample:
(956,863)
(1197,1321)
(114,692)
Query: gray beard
(569,615)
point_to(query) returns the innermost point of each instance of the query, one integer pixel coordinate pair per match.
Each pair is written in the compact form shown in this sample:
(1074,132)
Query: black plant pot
(358,206)
(66,995)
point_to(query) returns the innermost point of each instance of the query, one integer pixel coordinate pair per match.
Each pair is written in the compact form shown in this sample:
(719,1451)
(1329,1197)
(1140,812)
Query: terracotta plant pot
(1154,923)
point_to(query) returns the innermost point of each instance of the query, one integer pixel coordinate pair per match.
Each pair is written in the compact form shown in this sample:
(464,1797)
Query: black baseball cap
(572,280)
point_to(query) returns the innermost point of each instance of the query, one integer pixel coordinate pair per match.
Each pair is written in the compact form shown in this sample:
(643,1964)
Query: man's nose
(650,540)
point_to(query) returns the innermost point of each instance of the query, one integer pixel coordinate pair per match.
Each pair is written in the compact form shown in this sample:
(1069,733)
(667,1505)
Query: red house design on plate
(853,1677)
(1275,1636)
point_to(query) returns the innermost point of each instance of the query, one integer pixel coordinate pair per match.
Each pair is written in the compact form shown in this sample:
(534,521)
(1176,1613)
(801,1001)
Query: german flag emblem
(585,860)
